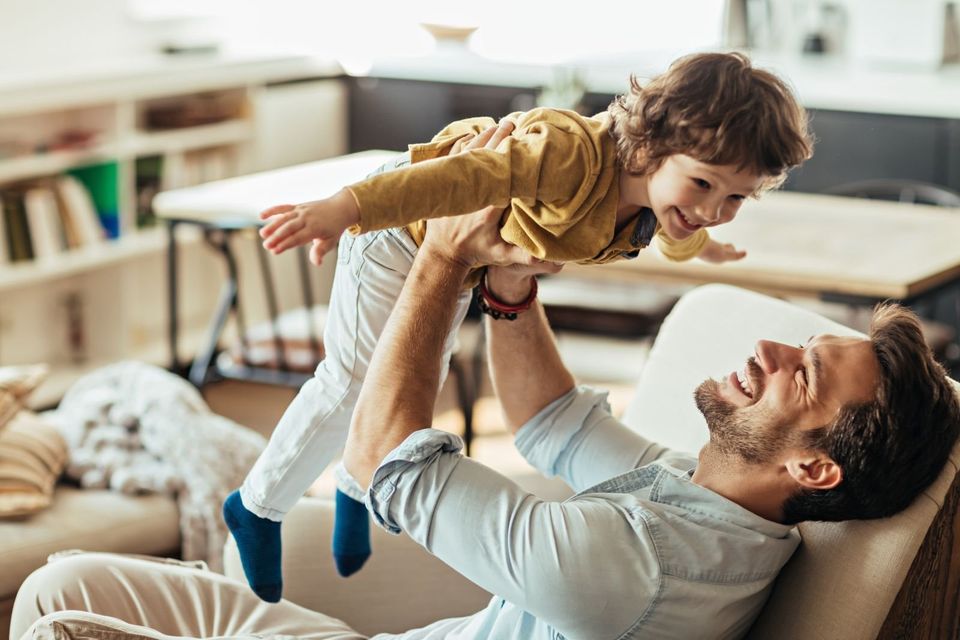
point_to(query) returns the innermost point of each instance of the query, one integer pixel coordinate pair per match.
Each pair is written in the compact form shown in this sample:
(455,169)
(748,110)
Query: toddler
(668,160)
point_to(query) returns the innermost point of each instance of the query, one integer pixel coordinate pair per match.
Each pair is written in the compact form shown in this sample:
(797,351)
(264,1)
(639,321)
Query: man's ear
(814,470)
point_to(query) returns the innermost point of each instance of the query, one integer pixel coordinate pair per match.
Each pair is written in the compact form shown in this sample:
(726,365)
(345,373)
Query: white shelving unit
(32,166)
(86,307)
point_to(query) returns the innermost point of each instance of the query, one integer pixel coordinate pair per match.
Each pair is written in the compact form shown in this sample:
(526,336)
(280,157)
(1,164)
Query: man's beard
(754,436)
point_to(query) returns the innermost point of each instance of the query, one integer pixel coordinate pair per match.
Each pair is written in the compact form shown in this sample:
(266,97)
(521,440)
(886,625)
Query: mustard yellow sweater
(558,173)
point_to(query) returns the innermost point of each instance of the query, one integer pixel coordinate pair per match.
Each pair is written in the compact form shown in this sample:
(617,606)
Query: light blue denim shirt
(639,552)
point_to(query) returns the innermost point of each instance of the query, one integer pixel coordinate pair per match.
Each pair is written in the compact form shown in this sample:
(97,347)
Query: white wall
(40,33)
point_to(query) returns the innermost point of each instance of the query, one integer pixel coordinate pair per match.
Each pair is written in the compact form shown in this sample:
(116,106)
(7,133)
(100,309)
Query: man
(656,544)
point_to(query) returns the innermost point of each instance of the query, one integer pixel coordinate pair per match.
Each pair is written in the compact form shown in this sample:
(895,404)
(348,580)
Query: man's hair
(716,108)
(891,448)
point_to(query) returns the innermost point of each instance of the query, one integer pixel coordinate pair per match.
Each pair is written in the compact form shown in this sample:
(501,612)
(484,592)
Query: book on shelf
(4,251)
(197,167)
(19,244)
(102,181)
(149,172)
(70,234)
(43,221)
(79,211)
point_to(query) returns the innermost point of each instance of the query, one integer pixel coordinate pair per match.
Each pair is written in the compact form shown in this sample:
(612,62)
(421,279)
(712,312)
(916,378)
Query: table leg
(173,311)
(200,369)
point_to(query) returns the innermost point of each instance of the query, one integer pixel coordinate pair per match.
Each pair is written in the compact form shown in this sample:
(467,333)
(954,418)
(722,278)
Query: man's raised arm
(525,365)
(398,394)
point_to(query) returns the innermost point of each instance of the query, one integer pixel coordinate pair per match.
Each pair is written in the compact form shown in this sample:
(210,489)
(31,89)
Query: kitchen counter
(822,82)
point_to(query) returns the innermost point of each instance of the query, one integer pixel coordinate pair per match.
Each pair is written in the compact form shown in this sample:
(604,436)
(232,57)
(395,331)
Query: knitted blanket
(137,428)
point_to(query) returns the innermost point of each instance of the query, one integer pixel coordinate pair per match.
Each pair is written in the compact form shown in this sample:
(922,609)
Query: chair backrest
(910,191)
(845,578)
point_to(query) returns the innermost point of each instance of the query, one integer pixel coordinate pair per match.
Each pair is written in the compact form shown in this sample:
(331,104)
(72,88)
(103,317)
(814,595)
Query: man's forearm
(400,389)
(526,368)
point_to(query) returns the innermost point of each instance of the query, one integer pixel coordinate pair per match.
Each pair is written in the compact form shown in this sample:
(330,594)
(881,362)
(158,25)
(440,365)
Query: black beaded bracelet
(499,310)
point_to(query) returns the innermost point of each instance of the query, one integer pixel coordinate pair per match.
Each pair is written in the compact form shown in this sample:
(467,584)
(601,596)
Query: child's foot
(351,535)
(258,541)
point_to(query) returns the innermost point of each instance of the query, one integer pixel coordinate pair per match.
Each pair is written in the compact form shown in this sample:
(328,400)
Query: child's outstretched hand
(319,221)
(717,252)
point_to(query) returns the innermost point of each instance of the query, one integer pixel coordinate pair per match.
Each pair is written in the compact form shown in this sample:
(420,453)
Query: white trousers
(103,596)
(371,270)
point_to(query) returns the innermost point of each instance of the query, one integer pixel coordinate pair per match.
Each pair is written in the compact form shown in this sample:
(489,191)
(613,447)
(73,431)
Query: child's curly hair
(717,108)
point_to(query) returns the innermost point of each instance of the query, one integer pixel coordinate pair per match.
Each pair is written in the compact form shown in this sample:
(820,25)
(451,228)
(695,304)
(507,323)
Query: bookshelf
(77,303)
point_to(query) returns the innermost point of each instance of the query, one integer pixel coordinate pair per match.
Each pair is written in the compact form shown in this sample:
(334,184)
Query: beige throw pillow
(33,454)
(16,384)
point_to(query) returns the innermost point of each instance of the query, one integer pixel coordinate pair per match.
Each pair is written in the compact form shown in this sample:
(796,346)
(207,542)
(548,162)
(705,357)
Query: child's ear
(814,470)
(638,165)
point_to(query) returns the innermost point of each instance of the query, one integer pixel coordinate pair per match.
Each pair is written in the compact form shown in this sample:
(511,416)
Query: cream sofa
(857,580)
(83,519)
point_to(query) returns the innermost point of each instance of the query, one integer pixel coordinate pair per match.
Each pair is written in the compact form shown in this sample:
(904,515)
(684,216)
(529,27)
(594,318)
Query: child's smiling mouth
(685,222)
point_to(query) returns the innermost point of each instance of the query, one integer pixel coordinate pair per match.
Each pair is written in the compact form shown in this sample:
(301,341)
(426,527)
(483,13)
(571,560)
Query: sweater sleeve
(682,250)
(534,165)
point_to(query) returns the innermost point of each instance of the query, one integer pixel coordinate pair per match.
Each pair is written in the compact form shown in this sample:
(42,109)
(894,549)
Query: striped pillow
(33,454)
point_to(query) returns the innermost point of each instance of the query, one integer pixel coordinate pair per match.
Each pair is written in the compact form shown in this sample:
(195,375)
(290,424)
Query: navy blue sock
(351,535)
(258,540)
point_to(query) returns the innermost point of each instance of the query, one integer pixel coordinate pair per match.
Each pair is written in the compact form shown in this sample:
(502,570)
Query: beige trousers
(110,596)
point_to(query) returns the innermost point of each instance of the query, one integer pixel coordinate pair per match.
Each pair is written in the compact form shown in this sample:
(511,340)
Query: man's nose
(773,356)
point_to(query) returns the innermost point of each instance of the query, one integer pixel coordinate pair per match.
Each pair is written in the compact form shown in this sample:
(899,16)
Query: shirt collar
(676,487)
(631,238)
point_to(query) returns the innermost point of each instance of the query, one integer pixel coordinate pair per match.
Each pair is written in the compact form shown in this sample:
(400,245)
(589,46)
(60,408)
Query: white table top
(797,243)
(239,200)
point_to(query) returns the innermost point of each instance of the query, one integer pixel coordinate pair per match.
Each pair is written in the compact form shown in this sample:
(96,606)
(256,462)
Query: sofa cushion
(91,520)
(32,457)
(845,576)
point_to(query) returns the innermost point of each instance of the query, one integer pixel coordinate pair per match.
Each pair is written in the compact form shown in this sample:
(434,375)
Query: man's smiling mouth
(744,381)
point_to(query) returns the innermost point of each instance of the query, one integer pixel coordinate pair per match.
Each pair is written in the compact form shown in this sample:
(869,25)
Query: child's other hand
(717,252)
(319,221)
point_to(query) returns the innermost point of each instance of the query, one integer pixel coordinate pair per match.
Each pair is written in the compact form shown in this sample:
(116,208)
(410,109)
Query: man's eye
(738,197)
(703,184)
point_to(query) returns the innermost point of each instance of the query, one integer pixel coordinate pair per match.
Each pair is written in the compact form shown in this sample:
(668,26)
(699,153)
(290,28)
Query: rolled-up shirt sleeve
(534,553)
(422,465)
(575,437)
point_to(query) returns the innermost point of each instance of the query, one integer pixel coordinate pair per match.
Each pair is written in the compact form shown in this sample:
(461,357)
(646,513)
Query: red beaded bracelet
(498,309)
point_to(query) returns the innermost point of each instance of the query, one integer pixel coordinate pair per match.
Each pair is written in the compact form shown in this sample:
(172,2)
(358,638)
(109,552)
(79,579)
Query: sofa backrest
(845,577)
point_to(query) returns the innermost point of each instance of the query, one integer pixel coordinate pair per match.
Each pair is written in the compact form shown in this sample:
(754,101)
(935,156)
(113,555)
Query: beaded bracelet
(499,310)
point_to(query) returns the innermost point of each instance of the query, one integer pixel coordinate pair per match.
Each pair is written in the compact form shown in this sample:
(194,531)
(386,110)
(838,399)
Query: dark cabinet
(859,146)
(390,114)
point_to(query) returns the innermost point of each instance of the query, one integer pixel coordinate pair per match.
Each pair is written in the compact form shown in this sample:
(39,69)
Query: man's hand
(319,221)
(473,240)
(718,253)
(512,285)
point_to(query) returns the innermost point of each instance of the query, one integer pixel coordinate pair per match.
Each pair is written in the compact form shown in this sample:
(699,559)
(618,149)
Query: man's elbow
(374,433)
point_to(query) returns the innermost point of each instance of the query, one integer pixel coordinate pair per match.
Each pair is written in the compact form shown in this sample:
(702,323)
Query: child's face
(686,194)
